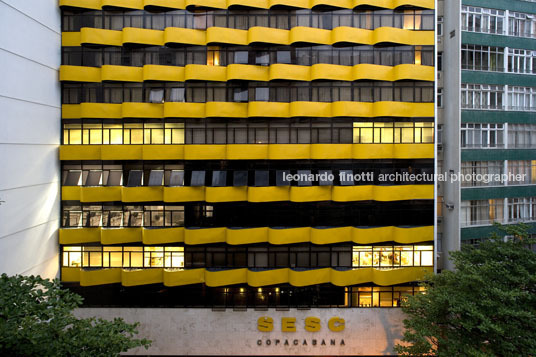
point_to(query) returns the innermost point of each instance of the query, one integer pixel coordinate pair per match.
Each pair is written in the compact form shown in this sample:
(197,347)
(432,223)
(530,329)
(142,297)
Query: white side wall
(30,109)
(181,332)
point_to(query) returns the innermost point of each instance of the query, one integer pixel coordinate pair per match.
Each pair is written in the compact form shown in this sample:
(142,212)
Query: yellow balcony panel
(163,152)
(390,233)
(332,72)
(102,37)
(80,152)
(267,277)
(386,4)
(239,236)
(121,235)
(303,4)
(343,4)
(414,151)
(289,151)
(100,276)
(202,72)
(225,277)
(268,109)
(184,277)
(226,194)
(310,109)
(387,277)
(413,234)
(382,193)
(376,151)
(184,110)
(352,109)
(289,235)
(403,109)
(373,72)
(100,194)
(425,4)
(79,235)
(247,151)
(290,72)
(143,194)
(413,71)
(70,111)
(152,72)
(70,193)
(80,74)
(100,110)
(184,36)
(143,36)
(142,110)
(125,4)
(352,193)
(226,109)
(215,4)
(401,36)
(247,72)
(309,277)
(259,4)
(135,277)
(227,35)
(122,73)
(121,152)
(163,235)
(70,275)
(83,4)
(268,194)
(204,152)
(403,192)
(351,277)
(257,34)
(164,4)
(331,151)
(70,39)
(184,194)
(310,194)
(373,235)
(194,236)
(351,35)
(331,235)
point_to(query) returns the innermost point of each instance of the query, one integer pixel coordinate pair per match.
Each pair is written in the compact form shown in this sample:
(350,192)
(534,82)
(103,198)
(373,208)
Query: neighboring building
(30,102)
(488,108)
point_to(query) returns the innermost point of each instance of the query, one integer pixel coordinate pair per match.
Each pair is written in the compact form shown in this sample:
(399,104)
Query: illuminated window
(412,19)
(213,56)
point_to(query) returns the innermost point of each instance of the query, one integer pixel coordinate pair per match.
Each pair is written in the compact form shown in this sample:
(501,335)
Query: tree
(486,307)
(36,319)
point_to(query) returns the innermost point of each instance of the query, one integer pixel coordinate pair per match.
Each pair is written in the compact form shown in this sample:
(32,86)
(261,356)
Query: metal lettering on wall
(311,324)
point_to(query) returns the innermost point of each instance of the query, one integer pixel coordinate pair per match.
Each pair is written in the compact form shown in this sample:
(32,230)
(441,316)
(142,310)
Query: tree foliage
(486,307)
(36,319)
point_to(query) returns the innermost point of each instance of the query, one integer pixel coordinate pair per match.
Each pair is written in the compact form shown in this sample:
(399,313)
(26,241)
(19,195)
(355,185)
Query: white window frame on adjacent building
(521,98)
(521,61)
(476,135)
(477,19)
(482,96)
(521,24)
(481,212)
(482,58)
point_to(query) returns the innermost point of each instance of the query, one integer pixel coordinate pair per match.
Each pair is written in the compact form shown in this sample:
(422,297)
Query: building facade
(225,160)
(487,117)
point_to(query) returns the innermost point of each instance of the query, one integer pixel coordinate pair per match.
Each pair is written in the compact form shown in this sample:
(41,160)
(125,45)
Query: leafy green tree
(36,319)
(486,307)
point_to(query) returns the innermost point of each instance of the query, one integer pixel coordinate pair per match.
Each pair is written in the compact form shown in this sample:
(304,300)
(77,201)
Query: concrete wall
(30,104)
(371,331)
(450,117)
